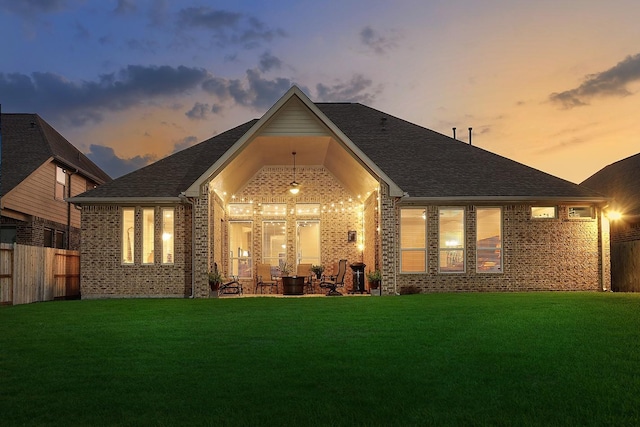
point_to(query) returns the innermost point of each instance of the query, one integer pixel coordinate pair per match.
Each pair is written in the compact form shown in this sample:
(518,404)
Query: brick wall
(31,233)
(538,254)
(103,274)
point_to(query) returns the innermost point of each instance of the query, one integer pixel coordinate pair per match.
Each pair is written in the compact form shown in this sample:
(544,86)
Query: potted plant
(215,279)
(291,285)
(374,277)
(285,268)
(317,270)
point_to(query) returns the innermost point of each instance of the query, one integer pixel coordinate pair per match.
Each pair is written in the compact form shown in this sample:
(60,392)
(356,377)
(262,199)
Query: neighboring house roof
(28,142)
(421,162)
(621,182)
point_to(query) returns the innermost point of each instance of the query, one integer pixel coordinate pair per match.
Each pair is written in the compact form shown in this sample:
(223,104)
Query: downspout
(190,201)
(69,211)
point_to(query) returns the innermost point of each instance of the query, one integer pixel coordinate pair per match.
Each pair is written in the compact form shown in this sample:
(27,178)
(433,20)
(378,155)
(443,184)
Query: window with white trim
(489,240)
(148,235)
(61,183)
(544,212)
(128,235)
(451,240)
(413,240)
(580,212)
(168,253)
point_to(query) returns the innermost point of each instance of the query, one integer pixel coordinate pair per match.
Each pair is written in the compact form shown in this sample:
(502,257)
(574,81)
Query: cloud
(199,111)
(124,7)
(80,102)
(254,91)
(355,90)
(612,82)
(227,27)
(269,62)
(376,42)
(29,8)
(115,166)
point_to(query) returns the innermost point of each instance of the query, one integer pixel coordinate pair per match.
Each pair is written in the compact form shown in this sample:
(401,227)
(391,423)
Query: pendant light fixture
(294,187)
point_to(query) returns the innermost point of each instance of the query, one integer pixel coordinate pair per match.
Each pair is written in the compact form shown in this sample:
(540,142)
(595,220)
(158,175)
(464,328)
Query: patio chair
(265,279)
(229,288)
(305,271)
(333,282)
(234,287)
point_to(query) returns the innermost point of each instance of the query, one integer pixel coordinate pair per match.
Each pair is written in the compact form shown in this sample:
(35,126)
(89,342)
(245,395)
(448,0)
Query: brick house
(39,170)
(621,182)
(431,213)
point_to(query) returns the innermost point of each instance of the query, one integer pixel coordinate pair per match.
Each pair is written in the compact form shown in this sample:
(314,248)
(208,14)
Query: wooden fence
(625,266)
(32,274)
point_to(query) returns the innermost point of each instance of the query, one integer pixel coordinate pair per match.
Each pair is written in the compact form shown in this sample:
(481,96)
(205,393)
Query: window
(59,240)
(274,209)
(308,242)
(489,240)
(128,235)
(580,212)
(274,242)
(413,241)
(543,212)
(308,209)
(240,209)
(240,244)
(61,183)
(7,234)
(148,235)
(167,235)
(451,245)
(47,240)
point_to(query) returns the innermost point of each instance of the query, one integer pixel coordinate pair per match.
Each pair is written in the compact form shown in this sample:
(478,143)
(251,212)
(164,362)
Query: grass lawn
(440,359)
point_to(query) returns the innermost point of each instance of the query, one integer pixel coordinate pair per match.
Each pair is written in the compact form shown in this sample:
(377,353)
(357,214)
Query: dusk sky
(552,84)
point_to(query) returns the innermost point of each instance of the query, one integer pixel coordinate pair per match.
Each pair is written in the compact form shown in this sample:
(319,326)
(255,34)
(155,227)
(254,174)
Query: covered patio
(254,218)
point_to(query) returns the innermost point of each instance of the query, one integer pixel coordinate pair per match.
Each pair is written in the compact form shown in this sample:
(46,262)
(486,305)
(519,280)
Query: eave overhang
(410,201)
(125,201)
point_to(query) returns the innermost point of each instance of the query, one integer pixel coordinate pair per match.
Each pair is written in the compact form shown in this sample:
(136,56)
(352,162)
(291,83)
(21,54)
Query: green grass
(442,359)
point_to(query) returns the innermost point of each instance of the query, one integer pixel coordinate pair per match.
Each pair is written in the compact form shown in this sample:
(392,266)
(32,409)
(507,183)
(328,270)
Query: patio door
(308,242)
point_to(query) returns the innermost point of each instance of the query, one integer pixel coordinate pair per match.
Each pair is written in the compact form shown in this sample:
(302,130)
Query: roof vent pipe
(454,133)
(470,136)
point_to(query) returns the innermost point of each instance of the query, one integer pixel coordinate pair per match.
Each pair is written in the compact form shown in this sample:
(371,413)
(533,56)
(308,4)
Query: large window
(308,242)
(489,240)
(240,244)
(128,235)
(451,247)
(274,242)
(61,183)
(147,235)
(413,241)
(168,235)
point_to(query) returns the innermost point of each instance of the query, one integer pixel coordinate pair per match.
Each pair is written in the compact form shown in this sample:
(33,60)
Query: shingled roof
(421,162)
(425,163)
(28,142)
(621,182)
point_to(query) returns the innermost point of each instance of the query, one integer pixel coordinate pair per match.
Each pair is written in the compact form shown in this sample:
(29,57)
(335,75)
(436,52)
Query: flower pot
(374,285)
(293,285)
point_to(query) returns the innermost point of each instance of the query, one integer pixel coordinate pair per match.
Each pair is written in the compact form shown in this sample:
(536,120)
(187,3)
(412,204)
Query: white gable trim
(194,189)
